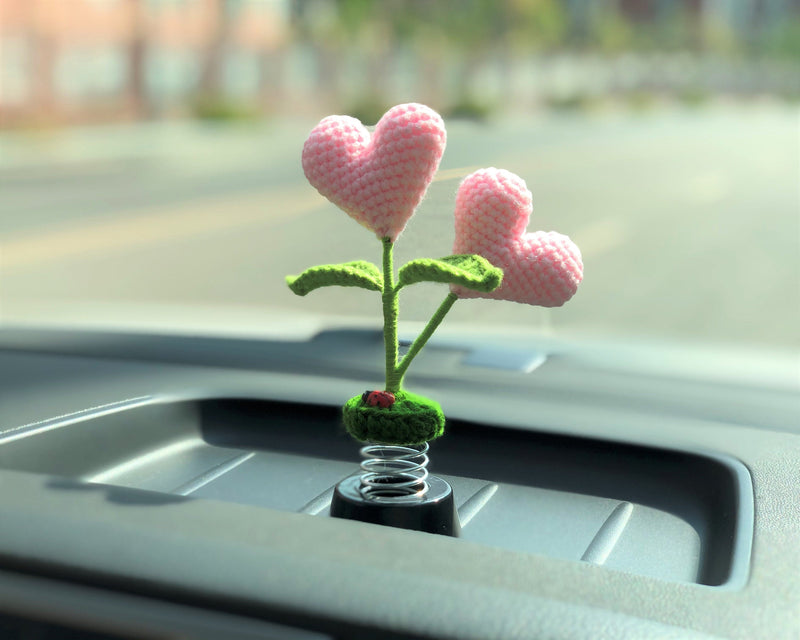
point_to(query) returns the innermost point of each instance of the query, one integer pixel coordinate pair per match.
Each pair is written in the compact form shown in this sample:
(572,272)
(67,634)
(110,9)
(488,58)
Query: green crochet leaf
(469,271)
(359,273)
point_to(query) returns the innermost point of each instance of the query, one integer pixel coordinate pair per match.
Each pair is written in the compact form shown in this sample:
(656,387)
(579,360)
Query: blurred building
(90,60)
(95,59)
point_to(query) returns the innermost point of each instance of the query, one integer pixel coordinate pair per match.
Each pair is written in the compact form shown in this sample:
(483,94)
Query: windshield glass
(150,160)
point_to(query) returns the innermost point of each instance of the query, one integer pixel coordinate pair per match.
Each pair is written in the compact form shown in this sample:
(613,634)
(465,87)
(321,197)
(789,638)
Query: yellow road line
(452,174)
(155,225)
(601,236)
(166,223)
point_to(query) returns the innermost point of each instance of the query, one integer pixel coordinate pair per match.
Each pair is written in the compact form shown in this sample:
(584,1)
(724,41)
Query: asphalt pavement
(688,221)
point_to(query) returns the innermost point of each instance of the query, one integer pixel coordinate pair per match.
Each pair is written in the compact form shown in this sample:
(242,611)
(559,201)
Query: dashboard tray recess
(674,515)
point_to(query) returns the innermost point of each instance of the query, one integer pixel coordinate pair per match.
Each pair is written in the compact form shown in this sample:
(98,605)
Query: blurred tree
(210,85)
(44,55)
(318,27)
(454,41)
(478,29)
(137,55)
(354,15)
(694,25)
(368,25)
(784,42)
(533,25)
(611,33)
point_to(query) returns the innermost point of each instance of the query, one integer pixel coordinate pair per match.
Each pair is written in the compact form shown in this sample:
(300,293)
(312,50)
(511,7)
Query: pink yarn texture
(378,180)
(493,207)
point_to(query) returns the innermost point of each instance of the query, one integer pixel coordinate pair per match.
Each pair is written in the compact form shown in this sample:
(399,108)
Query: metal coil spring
(394,473)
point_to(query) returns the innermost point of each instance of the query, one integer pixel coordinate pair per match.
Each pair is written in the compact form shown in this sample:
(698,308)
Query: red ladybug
(382,399)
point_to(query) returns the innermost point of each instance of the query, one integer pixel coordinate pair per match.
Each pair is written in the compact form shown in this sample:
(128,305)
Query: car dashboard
(159,485)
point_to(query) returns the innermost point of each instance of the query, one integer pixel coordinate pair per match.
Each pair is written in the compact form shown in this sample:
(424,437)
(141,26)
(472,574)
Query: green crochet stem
(412,418)
(391,309)
(427,332)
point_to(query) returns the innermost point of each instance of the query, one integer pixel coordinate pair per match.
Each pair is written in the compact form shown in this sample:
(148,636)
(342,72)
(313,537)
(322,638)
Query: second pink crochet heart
(493,207)
(377,180)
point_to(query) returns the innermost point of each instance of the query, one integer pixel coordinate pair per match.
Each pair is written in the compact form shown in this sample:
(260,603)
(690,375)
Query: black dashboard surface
(193,473)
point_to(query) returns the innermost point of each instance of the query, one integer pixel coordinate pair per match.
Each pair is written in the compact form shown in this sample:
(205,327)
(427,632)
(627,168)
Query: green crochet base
(412,419)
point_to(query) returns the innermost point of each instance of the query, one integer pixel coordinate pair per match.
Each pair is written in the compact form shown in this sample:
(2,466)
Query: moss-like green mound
(412,419)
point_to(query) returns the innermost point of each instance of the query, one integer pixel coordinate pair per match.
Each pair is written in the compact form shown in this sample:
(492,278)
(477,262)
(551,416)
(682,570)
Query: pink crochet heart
(378,181)
(493,207)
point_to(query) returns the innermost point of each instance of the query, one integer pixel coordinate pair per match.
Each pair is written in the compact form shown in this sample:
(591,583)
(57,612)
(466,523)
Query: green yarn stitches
(359,273)
(391,309)
(469,271)
(412,419)
(427,332)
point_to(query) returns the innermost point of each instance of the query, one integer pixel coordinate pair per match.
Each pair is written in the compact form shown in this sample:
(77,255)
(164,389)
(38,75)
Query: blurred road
(689,221)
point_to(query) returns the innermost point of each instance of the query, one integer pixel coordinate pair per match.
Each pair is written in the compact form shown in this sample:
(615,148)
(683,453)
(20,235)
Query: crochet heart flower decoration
(378,180)
(493,207)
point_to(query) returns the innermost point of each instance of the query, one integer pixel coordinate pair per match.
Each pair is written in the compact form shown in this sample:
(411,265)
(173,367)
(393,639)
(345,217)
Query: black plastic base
(434,513)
